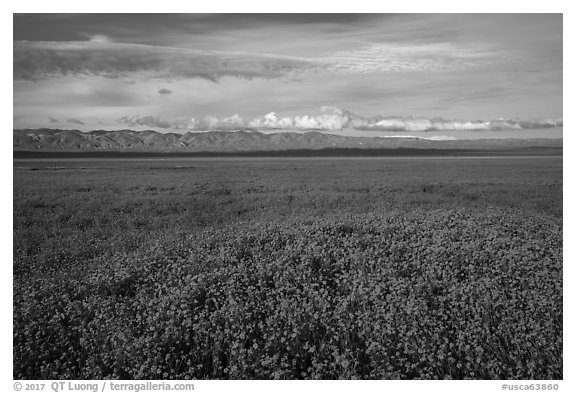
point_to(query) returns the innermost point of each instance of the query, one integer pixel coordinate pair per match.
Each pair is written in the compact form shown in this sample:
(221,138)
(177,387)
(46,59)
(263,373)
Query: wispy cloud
(164,91)
(148,121)
(431,57)
(39,60)
(439,124)
(100,56)
(52,120)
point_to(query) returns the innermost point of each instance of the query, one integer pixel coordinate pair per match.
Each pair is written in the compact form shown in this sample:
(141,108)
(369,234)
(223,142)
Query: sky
(353,74)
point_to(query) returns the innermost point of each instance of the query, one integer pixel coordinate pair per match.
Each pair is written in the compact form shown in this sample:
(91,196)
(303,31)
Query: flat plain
(372,268)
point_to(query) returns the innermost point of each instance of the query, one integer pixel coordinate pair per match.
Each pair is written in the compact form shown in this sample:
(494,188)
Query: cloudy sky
(350,73)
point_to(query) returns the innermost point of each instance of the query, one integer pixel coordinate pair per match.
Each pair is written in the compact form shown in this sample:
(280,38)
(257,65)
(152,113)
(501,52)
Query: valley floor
(288,268)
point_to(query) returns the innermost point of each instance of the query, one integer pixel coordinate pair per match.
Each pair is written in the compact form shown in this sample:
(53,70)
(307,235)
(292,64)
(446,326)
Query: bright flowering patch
(439,293)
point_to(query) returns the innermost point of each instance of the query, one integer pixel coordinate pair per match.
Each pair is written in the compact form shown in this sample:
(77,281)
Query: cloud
(53,120)
(430,57)
(40,60)
(35,60)
(146,121)
(541,123)
(229,123)
(75,121)
(332,119)
(162,27)
(439,124)
(99,38)
(338,119)
(335,119)
(164,91)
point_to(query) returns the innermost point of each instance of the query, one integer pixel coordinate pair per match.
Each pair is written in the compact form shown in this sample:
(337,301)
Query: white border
(357,6)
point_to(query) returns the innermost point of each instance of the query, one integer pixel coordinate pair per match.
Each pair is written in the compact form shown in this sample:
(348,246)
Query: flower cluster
(444,293)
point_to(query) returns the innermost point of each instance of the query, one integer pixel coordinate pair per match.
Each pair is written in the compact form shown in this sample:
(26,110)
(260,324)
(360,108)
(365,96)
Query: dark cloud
(164,91)
(38,60)
(129,27)
(75,121)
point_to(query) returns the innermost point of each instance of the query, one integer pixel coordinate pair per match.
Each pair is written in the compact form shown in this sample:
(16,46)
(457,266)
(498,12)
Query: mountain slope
(56,140)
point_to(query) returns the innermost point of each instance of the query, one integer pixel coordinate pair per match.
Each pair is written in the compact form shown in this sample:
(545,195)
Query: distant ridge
(57,140)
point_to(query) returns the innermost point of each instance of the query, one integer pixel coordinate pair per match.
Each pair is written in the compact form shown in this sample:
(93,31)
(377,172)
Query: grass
(294,269)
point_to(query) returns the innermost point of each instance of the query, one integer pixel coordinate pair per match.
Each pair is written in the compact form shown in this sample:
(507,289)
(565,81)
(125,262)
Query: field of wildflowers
(353,269)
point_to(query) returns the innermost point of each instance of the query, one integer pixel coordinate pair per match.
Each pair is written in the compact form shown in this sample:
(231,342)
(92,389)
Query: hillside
(57,140)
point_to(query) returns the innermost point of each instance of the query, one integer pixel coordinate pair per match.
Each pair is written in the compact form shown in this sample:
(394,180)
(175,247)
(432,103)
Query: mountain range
(58,140)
